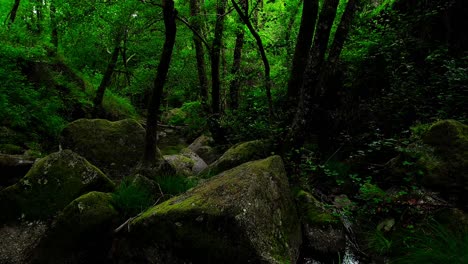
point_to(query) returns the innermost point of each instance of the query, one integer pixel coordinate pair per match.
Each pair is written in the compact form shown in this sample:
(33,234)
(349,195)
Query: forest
(233,131)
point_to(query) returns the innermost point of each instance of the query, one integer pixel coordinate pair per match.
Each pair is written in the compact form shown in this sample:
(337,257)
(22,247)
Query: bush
(117,107)
(190,114)
(132,198)
(174,185)
(436,244)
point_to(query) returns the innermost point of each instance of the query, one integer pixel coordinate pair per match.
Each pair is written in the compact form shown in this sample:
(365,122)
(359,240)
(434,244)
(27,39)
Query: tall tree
(266,65)
(13,12)
(197,26)
(215,59)
(236,65)
(301,52)
(151,153)
(215,55)
(316,73)
(107,78)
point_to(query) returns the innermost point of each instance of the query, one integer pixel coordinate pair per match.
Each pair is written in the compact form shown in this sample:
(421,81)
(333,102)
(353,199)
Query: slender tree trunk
(335,51)
(301,52)
(13,12)
(125,58)
(216,57)
(292,19)
(234,86)
(53,24)
(266,64)
(308,100)
(235,83)
(151,154)
(107,78)
(199,52)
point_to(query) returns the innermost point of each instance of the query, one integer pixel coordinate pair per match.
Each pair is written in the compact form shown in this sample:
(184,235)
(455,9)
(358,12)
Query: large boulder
(237,155)
(324,235)
(203,147)
(51,184)
(82,232)
(186,163)
(244,215)
(446,164)
(115,147)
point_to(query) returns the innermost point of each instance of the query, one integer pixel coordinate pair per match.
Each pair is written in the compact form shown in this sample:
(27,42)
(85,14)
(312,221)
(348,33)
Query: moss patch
(50,185)
(243,215)
(313,211)
(238,154)
(115,147)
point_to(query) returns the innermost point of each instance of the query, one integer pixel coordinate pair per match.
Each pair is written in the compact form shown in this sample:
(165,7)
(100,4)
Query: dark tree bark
(13,12)
(197,25)
(107,78)
(151,154)
(307,107)
(125,58)
(216,57)
(288,45)
(235,83)
(342,32)
(301,52)
(245,18)
(53,24)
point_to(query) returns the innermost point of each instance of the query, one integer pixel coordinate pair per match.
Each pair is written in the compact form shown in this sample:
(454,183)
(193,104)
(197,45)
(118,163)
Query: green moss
(87,212)
(51,184)
(242,211)
(115,147)
(313,212)
(238,154)
(172,150)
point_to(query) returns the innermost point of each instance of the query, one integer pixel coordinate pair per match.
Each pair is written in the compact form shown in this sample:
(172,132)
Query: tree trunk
(199,52)
(125,58)
(106,79)
(307,107)
(13,12)
(266,64)
(334,54)
(235,83)
(53,24)
(289,29)
(301,52)
(216,57)
(151,154)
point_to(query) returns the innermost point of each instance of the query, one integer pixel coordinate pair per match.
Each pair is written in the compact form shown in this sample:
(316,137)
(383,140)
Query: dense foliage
(378,71)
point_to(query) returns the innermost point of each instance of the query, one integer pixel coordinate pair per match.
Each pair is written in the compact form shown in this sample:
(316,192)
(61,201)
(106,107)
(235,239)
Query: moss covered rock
(446,164)
(182,164)
(238,154)
(51,184)
(324,237)
(203,147)
(82,232)
(115,147)
(244,215)
(186,163)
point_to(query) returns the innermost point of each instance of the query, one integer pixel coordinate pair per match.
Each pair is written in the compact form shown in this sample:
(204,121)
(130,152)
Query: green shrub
(436,244)
(378,243)
(117,107)
(176,184)
(190,114)
(132,198)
